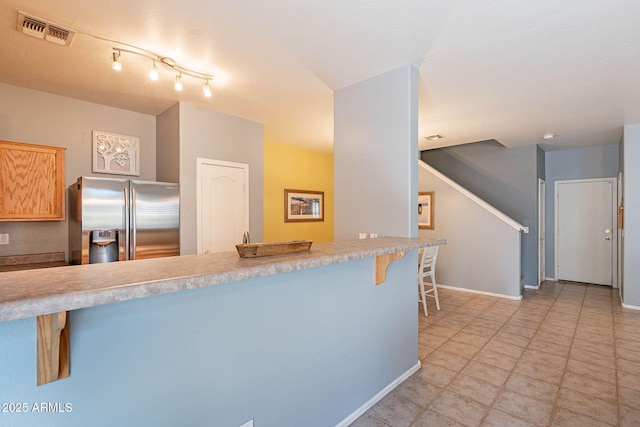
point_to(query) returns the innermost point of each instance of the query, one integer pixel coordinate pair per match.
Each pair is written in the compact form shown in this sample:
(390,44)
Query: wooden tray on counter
(253,250)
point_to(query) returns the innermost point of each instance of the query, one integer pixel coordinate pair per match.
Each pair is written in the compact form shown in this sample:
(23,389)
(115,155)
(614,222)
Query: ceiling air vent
(33,27)
(42,29)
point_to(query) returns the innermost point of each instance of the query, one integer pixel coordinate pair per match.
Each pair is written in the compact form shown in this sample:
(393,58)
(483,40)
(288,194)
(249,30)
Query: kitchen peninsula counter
(44,291)
(312,338)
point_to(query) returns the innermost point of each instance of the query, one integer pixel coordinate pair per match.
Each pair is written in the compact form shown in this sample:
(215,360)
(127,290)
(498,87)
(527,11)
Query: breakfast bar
(311,338)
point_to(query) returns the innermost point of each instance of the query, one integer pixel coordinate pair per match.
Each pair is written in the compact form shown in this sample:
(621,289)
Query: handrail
(513,223)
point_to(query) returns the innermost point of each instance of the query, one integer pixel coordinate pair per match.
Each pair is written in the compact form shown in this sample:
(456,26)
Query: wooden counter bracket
(53,347)
(382,263)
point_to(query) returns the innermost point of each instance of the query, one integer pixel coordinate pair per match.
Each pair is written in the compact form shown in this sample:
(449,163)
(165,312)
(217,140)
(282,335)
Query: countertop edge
(33,299)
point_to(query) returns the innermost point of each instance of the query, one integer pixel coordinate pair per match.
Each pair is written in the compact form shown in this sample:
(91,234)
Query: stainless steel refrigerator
(120,219)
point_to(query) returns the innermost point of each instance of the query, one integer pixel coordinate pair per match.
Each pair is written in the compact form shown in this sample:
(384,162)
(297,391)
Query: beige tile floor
(566,355)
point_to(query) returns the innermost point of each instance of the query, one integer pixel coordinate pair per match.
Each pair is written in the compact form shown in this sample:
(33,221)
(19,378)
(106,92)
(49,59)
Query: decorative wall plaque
(116,154)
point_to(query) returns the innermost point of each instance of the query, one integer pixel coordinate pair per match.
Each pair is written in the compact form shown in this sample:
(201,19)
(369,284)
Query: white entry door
(223,204)
(585,230)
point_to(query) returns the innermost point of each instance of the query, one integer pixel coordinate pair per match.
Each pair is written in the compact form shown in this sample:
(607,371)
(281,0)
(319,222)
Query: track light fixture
(153,73)
(116,65)
(166,63)
(206,90)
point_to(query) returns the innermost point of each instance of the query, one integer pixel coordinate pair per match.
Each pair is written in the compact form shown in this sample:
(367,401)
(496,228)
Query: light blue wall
(578,163)
(504,177)
(631,196)
(376,156)
(304,348)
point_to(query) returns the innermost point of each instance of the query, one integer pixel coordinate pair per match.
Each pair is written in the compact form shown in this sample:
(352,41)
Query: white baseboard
(473,291)
(551,279)
(531,287)
(378,397)
(631,307)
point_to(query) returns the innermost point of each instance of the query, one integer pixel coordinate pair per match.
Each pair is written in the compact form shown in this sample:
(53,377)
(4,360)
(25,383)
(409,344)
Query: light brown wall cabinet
(31,182)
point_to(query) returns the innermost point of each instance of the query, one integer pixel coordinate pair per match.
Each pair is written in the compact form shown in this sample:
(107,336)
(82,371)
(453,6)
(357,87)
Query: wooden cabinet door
(31,182)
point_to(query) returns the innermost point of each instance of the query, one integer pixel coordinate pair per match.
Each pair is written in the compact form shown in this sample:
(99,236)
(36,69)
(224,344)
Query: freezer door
(102,203)
(97,204)
(155,219)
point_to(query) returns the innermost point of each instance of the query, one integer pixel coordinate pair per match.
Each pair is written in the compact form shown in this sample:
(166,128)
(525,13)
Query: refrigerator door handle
(127,246)
(134,244)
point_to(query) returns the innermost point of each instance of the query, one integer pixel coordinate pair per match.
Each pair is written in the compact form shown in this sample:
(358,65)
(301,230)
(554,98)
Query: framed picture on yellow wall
(303,205)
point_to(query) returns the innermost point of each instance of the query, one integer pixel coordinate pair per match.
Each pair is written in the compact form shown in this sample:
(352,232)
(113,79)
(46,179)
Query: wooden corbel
(382,263)
(52,347)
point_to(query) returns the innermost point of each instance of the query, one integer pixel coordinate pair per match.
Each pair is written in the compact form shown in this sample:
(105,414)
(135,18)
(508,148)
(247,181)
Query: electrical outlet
(373,235)
(248,423)
(363,236)
(4,239)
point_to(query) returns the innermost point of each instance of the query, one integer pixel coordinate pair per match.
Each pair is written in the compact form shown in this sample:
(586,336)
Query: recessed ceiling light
(433,137)
(549,136)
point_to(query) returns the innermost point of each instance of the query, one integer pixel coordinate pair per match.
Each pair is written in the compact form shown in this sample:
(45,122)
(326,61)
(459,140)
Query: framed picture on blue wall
(426,201)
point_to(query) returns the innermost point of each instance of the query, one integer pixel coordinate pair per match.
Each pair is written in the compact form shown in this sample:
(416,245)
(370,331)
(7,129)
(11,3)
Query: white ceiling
(493,69)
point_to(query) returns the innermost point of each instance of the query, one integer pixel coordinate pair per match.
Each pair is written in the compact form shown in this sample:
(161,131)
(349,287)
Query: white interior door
(541,231)
(585,230)
(223,204)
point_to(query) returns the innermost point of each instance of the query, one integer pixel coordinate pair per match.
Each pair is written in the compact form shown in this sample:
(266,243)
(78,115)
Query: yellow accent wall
(298,169)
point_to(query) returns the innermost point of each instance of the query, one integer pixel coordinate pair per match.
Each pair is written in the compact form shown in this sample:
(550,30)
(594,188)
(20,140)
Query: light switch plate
(4,239)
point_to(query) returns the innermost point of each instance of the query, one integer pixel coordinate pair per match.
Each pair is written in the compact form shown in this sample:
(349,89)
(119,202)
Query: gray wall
(482,251)
(621,189)
(631,196)
(40,118)
(304,348)
(375,156)
(212,135)
(504,177)
(540,163)
(168,145)
(578,163)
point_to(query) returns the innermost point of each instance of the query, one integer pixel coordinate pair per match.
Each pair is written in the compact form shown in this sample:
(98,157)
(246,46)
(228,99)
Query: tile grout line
(527,347)
(428,406)
(419,414)
(615,359)
(566,364)
(564,304)
(584,299)
(502,388)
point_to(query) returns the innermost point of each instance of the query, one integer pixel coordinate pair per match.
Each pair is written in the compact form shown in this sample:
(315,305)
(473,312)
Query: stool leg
(423,296)
(435,290)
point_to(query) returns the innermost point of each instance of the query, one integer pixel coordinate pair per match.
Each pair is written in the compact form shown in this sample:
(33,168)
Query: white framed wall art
(116,154)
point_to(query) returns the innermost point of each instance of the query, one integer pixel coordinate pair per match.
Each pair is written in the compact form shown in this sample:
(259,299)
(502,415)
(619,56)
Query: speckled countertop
(32,261)
(43,291)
